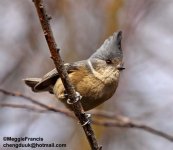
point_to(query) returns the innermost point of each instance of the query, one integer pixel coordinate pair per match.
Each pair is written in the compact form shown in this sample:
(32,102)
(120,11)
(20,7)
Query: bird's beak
(120,67)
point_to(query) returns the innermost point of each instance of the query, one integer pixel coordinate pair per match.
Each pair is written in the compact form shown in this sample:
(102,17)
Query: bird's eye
(108,61)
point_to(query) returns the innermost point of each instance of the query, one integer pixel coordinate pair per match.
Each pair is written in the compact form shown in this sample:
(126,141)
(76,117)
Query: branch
(77,107)
(113,120)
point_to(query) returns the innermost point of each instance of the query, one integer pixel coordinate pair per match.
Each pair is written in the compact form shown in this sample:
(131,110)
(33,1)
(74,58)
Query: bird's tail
(32,82)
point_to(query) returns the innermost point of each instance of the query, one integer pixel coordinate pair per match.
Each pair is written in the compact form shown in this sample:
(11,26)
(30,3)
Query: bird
(95,79)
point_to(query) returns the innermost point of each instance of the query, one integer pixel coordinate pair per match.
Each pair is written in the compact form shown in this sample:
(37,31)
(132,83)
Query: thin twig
(36,102)
(113,120)
(77,107)
(134,125)
(26,107)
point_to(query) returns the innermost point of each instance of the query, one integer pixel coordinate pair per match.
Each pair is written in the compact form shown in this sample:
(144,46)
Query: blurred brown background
(145,91)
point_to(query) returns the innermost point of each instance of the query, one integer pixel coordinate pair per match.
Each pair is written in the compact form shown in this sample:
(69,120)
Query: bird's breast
(93,89)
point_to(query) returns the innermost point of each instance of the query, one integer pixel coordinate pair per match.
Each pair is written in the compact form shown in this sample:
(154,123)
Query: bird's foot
(78,97)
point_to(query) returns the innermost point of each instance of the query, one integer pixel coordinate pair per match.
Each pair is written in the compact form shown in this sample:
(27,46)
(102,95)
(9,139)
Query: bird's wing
(49,79)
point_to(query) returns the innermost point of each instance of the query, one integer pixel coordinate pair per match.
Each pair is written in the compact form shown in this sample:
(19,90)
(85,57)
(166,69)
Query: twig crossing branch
(113,120)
